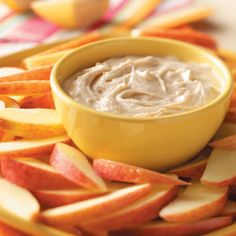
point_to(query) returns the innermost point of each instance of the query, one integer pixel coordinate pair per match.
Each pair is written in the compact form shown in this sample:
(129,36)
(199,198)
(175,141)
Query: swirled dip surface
(144,86)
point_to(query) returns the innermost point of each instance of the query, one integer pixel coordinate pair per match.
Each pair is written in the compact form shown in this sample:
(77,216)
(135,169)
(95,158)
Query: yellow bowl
(155,143)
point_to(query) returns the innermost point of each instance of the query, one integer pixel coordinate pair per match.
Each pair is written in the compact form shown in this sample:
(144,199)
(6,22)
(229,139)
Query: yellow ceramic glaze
(155,143)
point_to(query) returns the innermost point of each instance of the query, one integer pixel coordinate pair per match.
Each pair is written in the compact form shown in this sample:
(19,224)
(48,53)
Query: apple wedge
(196,202)
(7,102)
(6,230)
(5,71)
(193,169)
(70,13)
(6,137)
(25,87)
(228,143)
(74,165)
(42,73)
(227,231)
(221,168)
(33,174)
(18,201)
(56,198)
(121,172)
(40,101)
(143,210)
(161,228)
(74,213)
(31,123)
(27,147)
(230,209)
(29,227)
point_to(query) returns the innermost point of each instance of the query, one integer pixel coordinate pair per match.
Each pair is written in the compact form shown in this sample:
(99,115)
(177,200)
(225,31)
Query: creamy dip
(145,86)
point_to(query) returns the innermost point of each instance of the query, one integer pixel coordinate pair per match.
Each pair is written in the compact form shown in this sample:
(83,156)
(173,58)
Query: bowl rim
(57,89)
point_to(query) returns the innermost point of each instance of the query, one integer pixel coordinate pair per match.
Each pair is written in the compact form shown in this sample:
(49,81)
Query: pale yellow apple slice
(56,198)
(29,227)
(33,174)
(74,165)
(196,202)
(18,201)
(143,210)
(70,13)
(161,228)
(27,147)
(230,209)
(193,169)
(74,213)
(220,169)
(7,71)
(31,123)
(227,231)
(181,16)
(121,172)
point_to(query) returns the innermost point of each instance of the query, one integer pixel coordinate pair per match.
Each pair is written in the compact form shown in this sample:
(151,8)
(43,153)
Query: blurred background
(26,23)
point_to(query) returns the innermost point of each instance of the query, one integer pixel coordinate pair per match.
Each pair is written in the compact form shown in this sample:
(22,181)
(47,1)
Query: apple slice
(7,102)
(42,73)
(29,227)
(6,230)
(5,71)
(116,171)
(27,147)
(143,210)
(196,202)
(56,198)
(74,213)
(221,168)
(226,129)
(40,101)
(18,201)
(193,169)
(227,231)
(228,143)
(230,209)
(31,123)
(25,87)
(33,174)
(161,228)
(74,165)
(70,13)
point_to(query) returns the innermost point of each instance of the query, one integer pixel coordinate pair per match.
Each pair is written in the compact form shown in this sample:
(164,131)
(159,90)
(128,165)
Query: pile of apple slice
(48,187)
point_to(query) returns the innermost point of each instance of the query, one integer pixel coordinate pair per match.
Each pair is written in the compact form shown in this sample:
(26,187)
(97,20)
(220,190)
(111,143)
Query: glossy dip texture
(144,86)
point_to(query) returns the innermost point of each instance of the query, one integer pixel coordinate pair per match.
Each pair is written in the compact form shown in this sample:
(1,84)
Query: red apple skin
(213,209)
(45,149)
(50,199)
(6,230)
(32,178)
(60,162)
(127,217)
(94,207)
(194,172)
(116,171)
(177,229)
